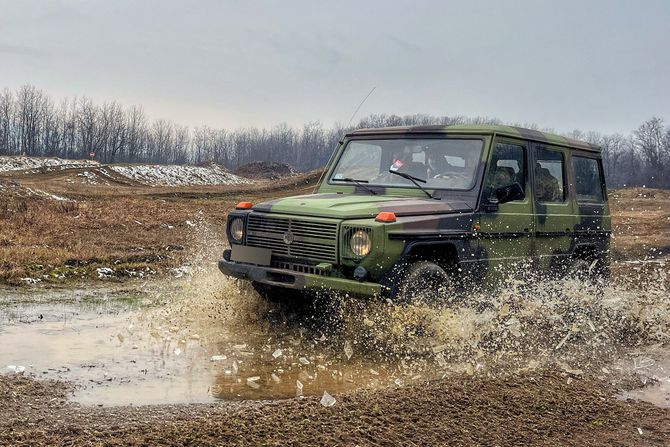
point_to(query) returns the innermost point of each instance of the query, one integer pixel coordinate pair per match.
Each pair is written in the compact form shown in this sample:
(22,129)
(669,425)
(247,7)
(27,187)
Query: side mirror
(510,193)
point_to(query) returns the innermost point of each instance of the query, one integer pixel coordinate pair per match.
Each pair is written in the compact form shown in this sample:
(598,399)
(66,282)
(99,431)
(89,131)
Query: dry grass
(137,231)
(641,220)
(140,230)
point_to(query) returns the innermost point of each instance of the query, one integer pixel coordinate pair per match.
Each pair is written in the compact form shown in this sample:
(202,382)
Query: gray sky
(594,65)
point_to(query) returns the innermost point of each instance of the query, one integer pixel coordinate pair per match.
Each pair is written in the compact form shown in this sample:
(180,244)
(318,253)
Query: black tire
(428,284)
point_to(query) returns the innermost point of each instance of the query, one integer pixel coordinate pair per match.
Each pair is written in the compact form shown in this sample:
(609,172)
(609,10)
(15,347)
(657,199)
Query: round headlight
(361,243)
(237,229)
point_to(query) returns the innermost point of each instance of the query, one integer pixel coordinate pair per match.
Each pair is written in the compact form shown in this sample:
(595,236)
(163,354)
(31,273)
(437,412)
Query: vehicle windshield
(444,163)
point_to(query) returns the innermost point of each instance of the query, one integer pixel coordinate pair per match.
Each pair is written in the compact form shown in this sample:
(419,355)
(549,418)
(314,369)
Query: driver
(438,165)
(453,176)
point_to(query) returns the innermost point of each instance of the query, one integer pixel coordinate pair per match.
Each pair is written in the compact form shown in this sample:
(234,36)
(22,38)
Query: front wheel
(429,284)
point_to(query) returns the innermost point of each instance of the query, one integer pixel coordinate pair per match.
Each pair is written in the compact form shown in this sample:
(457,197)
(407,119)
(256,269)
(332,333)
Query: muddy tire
(428,284)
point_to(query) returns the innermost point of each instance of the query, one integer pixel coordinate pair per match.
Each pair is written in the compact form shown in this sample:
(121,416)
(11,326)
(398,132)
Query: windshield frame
(476,175)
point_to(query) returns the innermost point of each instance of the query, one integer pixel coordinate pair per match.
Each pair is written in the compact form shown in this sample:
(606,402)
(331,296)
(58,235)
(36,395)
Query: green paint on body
(488,241)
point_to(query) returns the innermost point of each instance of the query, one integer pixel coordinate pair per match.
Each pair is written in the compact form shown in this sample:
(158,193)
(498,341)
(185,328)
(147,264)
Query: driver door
(506,229)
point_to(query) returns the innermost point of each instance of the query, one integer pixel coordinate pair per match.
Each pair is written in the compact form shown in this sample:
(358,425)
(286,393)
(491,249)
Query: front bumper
(299,281)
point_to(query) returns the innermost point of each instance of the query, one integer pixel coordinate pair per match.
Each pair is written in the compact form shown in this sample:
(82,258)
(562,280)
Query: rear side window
(588,179)
(549,178)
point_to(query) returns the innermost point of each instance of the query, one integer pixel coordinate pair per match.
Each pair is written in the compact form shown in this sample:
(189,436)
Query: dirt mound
(266,170)
(178,175)
(22,163)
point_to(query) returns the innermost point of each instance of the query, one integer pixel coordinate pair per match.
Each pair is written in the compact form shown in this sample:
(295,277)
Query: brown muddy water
(207,338)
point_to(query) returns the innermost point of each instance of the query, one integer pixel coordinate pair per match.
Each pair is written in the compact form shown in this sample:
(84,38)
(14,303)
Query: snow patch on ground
(21,163)
(100,174)
(174,175)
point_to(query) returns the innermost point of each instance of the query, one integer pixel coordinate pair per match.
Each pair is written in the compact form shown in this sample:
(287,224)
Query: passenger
(404,162)
(547,187)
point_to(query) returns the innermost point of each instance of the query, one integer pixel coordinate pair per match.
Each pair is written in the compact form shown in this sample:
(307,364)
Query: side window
(508,165)
(588,179)
(549,177)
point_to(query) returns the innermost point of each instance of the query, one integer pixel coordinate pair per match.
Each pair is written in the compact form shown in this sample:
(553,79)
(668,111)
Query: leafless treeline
(32,123)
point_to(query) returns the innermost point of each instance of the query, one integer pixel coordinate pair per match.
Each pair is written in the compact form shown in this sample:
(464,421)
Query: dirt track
(526,410)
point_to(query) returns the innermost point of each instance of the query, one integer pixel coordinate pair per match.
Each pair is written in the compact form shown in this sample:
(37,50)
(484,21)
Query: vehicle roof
(479,129)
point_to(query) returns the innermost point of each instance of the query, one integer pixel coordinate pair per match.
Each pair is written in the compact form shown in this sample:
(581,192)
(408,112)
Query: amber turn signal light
(386,216)
(244,206)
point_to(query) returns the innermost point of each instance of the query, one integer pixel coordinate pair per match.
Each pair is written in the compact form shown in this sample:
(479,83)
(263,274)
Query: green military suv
(419,212)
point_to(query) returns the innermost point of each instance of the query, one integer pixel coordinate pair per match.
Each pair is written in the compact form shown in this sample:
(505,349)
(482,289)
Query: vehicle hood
(355,206)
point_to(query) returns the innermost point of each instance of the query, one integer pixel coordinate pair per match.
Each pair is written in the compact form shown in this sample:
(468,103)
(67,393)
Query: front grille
(300,268)
(311,239)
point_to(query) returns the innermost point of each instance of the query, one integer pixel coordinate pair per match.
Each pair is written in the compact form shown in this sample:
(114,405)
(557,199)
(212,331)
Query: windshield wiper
(414,180)
(360,183)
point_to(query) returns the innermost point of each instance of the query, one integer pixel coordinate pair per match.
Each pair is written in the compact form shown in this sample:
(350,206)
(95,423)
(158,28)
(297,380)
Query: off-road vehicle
(409,211)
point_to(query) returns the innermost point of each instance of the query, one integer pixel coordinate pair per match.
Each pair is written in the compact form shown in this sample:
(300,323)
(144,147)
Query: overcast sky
(593,65)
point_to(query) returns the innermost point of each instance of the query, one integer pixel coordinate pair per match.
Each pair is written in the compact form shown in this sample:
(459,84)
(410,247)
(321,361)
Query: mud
(204,358)
(537,409)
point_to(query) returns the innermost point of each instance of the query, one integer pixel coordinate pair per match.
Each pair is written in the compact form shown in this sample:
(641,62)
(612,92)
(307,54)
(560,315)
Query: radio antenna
(348,124)
(360,105)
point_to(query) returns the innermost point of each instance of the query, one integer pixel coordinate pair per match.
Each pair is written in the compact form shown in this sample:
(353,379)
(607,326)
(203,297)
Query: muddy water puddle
(116,353)
(651,367)
(206,339)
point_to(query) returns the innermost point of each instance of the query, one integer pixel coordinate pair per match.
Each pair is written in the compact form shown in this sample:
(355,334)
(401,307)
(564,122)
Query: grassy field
(135,230)
(139,231)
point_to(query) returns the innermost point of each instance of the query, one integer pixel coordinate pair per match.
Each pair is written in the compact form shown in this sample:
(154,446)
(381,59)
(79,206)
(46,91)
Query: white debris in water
(303,360)
(177,351)
(16,369)
(240,347)
(562,342)
(639,430)
(374,372)
(298,388)
(643,363)
(327,400)
(275,378)
(278,353)
(235,367)
(104,272)
(348,349)
(439,348)
(190,224)
(252,382)
(441,361)
(218,358)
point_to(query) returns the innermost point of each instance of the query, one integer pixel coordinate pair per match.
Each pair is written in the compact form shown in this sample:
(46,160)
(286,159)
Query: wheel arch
(444,253)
